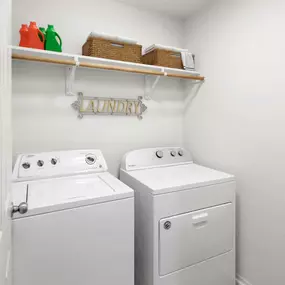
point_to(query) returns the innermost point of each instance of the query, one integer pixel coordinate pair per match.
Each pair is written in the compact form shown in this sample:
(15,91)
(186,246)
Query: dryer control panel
(155,157)
(58,163)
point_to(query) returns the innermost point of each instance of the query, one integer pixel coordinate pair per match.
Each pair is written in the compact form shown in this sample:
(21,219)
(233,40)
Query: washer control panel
(155,157)
(61,163)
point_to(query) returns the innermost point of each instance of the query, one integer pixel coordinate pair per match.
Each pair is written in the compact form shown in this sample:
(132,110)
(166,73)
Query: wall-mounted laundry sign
(86,105)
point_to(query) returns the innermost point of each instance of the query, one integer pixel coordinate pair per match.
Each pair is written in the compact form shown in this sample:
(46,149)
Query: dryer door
(193,237)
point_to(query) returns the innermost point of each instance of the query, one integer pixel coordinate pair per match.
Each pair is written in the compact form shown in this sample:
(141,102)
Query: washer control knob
(159,154)
(90,159)
(53,161)
(180,152)
(173,153)
(26,165)
(40,163)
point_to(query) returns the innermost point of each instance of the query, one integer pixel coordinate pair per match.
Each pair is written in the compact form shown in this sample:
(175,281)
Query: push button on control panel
(180,152)
(173,153)
(53,161)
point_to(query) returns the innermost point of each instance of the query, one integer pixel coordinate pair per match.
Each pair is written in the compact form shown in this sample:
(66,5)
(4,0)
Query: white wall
(42,117)
(5,143)
(236,123)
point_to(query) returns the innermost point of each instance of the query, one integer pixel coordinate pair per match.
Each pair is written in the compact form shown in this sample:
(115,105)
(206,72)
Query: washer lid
(64,193)
(179,177)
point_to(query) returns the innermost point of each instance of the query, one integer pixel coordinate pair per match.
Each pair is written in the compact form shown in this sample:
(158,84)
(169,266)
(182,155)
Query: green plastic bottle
(53,40)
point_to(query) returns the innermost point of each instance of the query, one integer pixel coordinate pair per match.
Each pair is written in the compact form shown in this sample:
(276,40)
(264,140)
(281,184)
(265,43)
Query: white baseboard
(241,281)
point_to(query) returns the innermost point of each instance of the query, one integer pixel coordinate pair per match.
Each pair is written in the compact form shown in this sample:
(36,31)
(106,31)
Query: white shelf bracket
(70,78)
(192,88)
(150,84)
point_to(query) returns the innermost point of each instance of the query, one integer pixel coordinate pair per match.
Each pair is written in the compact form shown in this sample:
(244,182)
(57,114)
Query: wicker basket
(98,47)
(164,58)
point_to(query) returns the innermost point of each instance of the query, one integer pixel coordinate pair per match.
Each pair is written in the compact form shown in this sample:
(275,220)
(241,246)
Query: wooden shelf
(19,53)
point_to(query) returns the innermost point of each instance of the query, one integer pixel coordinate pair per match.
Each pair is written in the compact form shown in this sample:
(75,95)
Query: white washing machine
(184,219)
(73,222)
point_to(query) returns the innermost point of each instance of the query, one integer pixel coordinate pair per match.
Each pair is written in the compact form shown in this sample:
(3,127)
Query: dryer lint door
(194,237)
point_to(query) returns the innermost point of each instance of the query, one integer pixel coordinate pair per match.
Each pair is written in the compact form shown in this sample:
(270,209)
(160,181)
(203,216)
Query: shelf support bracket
(191,91)
(70,78)
(150,84)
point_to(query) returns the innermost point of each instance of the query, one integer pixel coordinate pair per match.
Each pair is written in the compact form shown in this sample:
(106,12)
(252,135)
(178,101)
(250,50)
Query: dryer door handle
(200,220)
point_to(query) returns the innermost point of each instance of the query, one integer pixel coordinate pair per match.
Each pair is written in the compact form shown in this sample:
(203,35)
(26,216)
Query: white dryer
(184,219)
(73,222)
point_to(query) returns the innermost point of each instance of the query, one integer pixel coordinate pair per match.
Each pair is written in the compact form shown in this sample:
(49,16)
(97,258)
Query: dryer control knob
(90,159)
(173,153)
(180,152)
(159,154)
(167,225)
(53,161)
(26,165)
